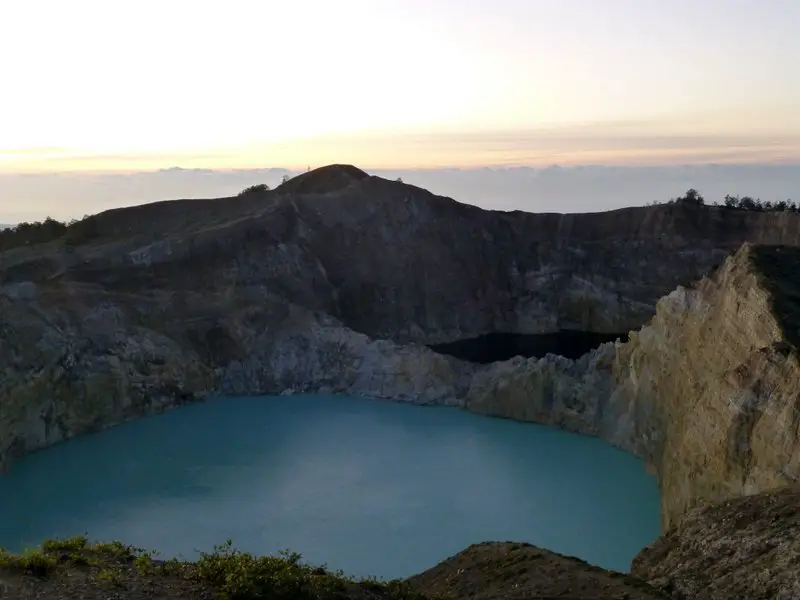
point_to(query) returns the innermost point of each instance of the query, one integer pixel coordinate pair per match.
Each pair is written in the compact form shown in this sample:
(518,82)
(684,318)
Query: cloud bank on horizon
(28,197)
(619,143)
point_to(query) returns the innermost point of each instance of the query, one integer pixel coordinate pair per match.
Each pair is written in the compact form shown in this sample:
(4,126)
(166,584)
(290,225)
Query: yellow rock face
(715,382)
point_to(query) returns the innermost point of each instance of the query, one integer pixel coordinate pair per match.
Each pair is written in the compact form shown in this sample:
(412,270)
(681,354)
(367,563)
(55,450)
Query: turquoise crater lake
(370,487)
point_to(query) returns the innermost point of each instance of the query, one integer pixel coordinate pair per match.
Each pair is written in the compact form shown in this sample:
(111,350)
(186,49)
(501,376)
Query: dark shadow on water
(502,346)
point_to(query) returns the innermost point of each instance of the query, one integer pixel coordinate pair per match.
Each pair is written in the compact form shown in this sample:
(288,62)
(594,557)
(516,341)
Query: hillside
(394,261)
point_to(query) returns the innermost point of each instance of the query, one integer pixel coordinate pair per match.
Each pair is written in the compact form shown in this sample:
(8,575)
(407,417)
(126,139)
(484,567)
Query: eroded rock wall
(714,383)
(74,364)
(571,394)
(76,359)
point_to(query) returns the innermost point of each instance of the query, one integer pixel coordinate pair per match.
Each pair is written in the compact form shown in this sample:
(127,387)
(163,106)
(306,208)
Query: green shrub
(31,562)
(254,190)
(693,197)
(239,575)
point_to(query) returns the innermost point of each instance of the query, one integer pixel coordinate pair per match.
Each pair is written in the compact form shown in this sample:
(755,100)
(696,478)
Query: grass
(30,562)
(234,575)
(57,554)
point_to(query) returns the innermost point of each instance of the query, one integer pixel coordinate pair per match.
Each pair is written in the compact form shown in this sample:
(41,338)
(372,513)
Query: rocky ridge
(334,283)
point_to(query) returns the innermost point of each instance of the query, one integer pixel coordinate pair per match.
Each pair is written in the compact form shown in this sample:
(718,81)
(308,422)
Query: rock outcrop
(712,382)
(73,361)
(491,571)
(743,548)
(571,394)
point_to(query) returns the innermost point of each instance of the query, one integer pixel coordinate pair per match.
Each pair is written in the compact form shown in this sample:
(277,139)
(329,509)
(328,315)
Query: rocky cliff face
(74,360)
(712,382)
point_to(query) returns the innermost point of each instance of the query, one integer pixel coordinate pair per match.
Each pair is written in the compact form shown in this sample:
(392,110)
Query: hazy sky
(145,84)
(33,196)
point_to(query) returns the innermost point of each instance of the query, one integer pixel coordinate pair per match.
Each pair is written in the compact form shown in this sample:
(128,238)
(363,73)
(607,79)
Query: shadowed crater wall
(493,347)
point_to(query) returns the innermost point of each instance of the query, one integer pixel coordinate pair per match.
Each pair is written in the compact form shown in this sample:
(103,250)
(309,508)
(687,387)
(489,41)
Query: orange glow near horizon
(419,84)
(425,152)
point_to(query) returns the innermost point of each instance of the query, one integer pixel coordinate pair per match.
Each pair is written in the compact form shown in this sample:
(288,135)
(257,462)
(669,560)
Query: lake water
(370,487)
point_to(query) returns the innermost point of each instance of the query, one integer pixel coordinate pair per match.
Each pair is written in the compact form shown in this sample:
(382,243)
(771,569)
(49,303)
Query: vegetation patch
(31,562)
(25,234)
(74,232)
(254,190)
(694,198)
(225,573)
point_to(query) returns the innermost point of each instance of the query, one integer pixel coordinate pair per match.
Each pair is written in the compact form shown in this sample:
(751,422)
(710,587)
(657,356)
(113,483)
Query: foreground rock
(507,570)
(743,548)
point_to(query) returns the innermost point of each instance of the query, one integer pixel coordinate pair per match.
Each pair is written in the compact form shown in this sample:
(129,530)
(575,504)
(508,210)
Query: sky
(382,83)
(94,86)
